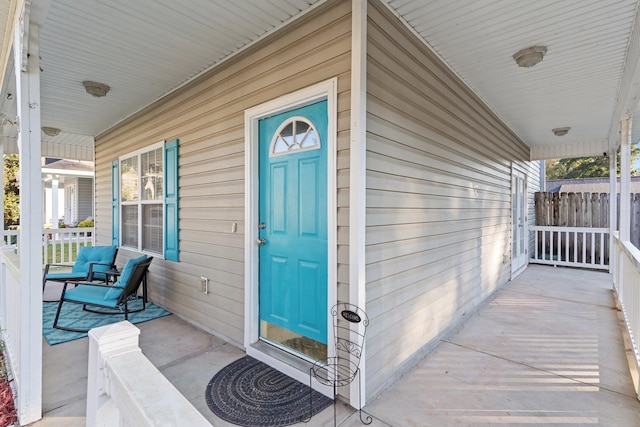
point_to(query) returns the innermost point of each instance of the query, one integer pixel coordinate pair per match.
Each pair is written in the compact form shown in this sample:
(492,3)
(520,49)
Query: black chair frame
(138,278)
(88,278)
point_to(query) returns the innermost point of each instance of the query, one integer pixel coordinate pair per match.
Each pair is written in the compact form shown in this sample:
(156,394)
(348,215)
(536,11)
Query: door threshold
(290,359)
(294,366)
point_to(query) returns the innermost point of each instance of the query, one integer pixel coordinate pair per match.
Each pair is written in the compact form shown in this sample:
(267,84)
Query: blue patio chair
(90,264)
(108,299)
(349,326)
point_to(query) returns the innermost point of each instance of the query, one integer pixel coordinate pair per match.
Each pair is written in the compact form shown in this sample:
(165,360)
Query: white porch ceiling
(575,85)
(144,49)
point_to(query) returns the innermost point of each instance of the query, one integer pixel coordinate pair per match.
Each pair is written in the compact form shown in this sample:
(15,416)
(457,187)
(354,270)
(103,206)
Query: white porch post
(625,178)
(358,170)
(27,71)
(54,202)
(613,203)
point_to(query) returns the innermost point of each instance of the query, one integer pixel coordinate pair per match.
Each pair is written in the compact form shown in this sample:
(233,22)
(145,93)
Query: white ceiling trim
(65,146)
(596,147)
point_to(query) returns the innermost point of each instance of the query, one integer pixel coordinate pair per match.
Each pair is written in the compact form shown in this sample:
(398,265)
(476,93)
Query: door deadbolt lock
(261,242)
(262,226)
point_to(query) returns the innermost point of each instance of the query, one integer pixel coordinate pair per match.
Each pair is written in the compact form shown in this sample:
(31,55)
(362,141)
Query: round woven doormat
(251,393)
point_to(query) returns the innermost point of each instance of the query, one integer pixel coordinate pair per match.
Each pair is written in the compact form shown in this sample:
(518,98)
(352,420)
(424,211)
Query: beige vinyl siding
(207,116)
(85,198)
(82,199)
(438,199)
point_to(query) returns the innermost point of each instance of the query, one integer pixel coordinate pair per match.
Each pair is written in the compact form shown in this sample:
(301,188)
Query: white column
(31,219)
(613,203)
(358,171)
(54,202)
(625,178)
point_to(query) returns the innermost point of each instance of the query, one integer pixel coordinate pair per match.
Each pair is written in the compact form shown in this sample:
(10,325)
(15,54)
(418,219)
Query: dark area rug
(251,393)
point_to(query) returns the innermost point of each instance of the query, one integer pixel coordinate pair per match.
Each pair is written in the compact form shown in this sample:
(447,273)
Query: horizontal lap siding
(438,198)
(207,116)
(85,198)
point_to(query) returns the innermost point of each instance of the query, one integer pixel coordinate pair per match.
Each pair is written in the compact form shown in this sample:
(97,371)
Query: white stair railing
(124,389)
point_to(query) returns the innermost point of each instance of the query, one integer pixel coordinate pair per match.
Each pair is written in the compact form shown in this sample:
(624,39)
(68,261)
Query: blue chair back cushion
(91,254)
(116,290)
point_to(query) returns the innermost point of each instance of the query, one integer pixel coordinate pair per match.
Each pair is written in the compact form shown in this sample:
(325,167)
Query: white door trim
(324,90)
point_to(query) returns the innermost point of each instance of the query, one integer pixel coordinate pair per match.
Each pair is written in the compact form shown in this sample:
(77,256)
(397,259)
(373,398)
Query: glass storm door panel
(293,230)
(519,220)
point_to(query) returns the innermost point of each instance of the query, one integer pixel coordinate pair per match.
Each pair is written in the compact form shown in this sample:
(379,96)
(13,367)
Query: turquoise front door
(293,229)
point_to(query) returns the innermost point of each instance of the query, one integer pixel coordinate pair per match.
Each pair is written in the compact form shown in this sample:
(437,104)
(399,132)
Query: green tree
(587,167)
(11,191)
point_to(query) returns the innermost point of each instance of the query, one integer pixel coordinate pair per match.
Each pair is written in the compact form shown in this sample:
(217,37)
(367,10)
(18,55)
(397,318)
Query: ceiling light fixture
(530,56)
(95,89)
(560,131)
(50,131)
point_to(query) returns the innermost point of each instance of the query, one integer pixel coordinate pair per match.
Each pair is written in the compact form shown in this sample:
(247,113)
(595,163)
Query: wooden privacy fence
(582,218)
(572,209)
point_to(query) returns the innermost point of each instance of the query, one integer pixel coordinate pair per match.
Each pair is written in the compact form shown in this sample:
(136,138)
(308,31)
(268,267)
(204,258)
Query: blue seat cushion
(90,295)
(65,276)
(116,290)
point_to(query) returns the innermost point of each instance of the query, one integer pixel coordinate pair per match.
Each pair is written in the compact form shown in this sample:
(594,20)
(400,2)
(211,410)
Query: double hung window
(142,195)
(145,200)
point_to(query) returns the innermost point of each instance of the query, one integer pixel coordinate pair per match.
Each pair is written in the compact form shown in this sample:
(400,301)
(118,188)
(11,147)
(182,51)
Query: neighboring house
(588,185)
(68,187)
(416,228)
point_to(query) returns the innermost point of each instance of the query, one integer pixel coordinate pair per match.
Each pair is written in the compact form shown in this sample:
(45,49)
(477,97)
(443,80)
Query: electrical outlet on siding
(204,285)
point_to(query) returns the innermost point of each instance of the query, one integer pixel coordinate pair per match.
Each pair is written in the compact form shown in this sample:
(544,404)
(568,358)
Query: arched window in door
(293,135)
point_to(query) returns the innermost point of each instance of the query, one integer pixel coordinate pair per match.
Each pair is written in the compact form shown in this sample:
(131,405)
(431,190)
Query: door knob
(261,242)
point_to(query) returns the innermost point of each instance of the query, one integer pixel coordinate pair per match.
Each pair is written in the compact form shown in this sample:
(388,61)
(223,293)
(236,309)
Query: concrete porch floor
(547,349)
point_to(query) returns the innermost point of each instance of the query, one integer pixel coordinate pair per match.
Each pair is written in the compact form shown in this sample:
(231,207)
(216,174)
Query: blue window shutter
(171,241)
(115,202)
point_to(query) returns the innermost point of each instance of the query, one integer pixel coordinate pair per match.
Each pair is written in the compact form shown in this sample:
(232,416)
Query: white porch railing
(59,245)
(10,318)
(571,246)
(125,389)
(626,284)
(10,237)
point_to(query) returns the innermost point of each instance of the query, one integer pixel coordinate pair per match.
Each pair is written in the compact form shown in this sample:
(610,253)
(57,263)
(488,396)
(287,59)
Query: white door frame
(518,264)
(324,90)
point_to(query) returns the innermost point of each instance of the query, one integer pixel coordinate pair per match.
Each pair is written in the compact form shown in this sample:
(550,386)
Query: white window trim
(139,202)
